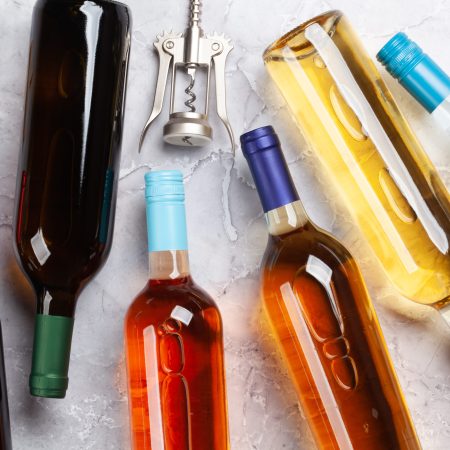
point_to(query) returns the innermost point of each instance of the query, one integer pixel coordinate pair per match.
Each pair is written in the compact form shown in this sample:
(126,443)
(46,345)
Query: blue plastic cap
(261,148)
(166,215)
(415,70)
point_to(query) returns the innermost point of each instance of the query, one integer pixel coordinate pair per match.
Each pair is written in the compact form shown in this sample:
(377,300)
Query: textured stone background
(227,234)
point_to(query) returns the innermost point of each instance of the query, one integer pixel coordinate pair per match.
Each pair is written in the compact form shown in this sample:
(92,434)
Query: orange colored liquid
(176,386)
(328,332)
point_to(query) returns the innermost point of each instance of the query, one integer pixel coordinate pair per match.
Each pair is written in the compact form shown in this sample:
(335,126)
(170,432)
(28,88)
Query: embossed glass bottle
(347,113)
(323,319)
(173,339)
(68,170)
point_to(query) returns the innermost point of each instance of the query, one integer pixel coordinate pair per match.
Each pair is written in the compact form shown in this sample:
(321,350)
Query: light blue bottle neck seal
(415,70)
(166,215)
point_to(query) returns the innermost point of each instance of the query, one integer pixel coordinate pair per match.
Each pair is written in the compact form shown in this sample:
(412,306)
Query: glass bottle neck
(168,264)
(286,218)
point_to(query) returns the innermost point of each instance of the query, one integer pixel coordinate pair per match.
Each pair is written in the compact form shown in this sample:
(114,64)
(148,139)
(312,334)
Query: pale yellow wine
(393,192)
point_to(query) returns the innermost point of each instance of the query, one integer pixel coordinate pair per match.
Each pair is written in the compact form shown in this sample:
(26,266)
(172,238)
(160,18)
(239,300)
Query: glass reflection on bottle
(323,320)
(394,193)
(173,339)
(66,189)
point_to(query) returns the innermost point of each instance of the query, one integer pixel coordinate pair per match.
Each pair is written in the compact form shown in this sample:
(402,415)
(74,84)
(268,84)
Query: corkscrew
(190,51)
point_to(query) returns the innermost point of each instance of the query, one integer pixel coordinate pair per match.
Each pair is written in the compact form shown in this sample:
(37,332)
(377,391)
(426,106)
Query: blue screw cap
(166,215)
(261,148)
(415,70)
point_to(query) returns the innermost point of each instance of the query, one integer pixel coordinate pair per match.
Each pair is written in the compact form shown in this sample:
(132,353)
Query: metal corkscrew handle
(190,51)
(195,13)
(192,36)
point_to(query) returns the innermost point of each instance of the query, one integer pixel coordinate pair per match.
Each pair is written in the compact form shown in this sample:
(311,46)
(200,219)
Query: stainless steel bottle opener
(191,51)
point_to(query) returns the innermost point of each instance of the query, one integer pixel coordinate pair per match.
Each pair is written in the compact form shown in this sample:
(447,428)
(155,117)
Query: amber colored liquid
(328,332)
(176,386)
(412,247)
(68,171)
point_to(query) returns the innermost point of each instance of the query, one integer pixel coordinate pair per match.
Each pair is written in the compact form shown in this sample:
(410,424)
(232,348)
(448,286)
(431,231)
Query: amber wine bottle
(323,319)
(173,338)
(372,157)
(68,169)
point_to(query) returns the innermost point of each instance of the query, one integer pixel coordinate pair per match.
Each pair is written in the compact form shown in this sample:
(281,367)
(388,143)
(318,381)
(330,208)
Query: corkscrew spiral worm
(189,91)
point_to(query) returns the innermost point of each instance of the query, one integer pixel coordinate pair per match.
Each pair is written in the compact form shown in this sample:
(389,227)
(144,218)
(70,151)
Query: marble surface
(227,234)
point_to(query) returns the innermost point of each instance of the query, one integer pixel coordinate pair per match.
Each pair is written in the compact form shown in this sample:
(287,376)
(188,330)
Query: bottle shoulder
(316,271)
(158,300)
(303,245)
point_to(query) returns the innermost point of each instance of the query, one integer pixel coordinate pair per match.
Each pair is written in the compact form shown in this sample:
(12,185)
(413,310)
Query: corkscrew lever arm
(221,101)
(164,65)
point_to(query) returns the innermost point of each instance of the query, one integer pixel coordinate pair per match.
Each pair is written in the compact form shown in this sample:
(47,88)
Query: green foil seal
(51,356)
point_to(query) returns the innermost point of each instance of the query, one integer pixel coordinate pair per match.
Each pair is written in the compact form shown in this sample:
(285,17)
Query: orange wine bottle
(173,339)
(68,170)
(323,319)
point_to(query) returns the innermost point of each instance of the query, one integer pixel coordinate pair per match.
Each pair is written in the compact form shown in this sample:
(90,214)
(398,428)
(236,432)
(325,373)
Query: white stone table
(227,234)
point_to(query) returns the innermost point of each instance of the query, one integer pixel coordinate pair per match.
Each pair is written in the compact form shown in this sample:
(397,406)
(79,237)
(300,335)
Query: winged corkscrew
(191,51)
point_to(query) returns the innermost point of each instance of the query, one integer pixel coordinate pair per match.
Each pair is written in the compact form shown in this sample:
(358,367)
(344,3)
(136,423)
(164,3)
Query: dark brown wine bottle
(67,177)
